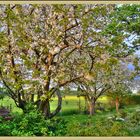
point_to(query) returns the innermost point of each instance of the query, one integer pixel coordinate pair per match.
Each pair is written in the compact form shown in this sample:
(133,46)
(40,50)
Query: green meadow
(70,104)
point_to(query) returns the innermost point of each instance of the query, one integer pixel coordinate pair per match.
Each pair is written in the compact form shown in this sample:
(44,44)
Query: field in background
(9,103)
(70,104)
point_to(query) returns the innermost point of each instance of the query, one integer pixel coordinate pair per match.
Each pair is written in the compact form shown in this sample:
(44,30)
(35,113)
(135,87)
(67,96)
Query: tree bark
(117,104)
(91,107)
(44,106)
(32,98)
(21,103)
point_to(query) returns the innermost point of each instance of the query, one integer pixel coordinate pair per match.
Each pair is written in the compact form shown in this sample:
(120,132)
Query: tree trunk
(117,104)
(44,106)
(21,103)
(32,98)
(91,107)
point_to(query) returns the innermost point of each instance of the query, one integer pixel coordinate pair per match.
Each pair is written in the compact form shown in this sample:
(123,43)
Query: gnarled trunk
(44,106)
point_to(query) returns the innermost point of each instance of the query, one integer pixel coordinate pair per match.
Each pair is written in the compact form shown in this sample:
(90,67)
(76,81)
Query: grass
(70,105)
(70,111)
(7,102)
(82,117)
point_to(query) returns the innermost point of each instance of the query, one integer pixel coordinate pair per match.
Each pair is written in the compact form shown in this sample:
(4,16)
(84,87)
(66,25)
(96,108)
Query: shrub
(2,96)
(123,124)
(69,112)
(132,100)
(32,123)
(134,118)
(98,128)
(126,100)
(122,113)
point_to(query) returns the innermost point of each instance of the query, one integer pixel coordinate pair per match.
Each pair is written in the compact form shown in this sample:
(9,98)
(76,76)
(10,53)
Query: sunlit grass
(70,106)
(7,102)
(73,105)
(69,103)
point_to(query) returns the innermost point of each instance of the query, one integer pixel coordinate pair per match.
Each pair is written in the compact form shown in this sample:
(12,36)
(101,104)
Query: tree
(41,49)
(46,47)
(123,32)
(98,81)
(108,77)
(116,33)
(125,21)
(118,93)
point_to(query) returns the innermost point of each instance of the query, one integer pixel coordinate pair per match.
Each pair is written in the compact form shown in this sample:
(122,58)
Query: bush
(3,93)
(2,96)
(32,123)
(122,113)
(132,100)
(98,128)
(69,112)
(122,124)
(126,100)
(134,118)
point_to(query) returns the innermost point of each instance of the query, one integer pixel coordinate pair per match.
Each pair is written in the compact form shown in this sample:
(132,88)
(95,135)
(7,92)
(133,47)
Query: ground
(82,124)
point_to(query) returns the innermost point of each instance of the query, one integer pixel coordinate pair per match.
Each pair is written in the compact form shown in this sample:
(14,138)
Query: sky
(130,65)
(138,53)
